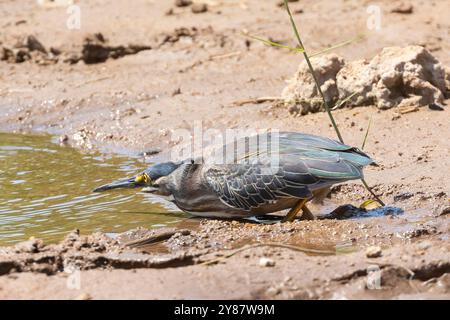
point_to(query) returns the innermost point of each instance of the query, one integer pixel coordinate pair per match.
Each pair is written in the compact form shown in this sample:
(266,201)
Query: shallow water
(45,192)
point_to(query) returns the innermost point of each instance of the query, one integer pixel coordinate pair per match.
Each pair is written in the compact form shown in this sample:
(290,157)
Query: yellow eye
(142,178)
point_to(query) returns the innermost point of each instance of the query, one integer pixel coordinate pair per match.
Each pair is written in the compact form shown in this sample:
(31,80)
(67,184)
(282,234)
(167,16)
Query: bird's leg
(294,211)
(307,214)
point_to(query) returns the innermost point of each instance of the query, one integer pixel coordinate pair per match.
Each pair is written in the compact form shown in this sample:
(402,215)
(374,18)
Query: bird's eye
(142,178)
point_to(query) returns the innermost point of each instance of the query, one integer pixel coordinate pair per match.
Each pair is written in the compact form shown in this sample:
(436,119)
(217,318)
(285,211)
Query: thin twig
(268,244)
(257,100)
(92,81)
(154,238)
(209,59)
(274,99)
(225,55)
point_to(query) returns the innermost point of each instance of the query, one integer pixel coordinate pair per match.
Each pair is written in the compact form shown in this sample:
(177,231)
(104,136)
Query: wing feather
(305,163)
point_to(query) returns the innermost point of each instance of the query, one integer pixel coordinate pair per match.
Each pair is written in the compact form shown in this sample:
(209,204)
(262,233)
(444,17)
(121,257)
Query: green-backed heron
(252,185)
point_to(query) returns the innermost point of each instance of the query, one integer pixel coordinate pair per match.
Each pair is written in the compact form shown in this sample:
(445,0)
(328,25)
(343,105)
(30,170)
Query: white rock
(408,76)
(266,262)
(395,77)
(301,90)
(373,252)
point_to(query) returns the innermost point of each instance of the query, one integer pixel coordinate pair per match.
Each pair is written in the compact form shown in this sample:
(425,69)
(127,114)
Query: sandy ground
(131,104)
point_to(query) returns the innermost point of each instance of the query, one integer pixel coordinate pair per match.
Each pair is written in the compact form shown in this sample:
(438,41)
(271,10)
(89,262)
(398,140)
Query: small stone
(403,196)
(63,139)
(293,109)
(84,296)
(73,236)
(271,292)
(30,246)
(445,211)
(266,262)
(33,44)
(183,3)
(404,8)
(373,252)
(424,245)
(176,92)
(199,7)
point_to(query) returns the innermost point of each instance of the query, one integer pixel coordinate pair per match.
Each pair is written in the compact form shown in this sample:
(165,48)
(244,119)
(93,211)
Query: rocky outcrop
(301,92)
(395,77)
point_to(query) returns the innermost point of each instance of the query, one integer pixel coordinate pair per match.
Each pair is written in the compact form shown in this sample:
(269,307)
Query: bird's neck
(189,189)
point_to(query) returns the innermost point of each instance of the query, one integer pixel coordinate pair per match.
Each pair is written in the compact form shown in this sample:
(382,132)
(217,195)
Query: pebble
(63,139)
(272,291)
(84,296)
(373,252)
(183,3)
(425,244)
(445,211)
(30,246)
(404,8)
(199,7)
(266,262)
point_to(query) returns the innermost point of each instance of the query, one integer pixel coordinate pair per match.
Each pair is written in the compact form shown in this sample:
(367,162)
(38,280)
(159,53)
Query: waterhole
(45,192)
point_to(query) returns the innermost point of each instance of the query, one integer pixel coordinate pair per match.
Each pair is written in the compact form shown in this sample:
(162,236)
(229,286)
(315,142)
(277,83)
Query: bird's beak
(135,182)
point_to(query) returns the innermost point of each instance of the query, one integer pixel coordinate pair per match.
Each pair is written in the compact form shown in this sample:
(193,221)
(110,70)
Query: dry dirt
(160,67)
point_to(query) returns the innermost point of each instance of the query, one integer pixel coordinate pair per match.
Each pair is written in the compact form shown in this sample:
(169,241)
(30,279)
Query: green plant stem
(372,193)
(338,45)
(274,44)
(342,102)
(311,69)
(327,107)
(367,134)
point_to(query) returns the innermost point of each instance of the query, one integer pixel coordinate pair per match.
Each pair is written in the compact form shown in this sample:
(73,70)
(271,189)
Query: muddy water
(45,191)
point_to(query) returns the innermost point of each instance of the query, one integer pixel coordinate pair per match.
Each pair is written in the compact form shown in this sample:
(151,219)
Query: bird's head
(148,178)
